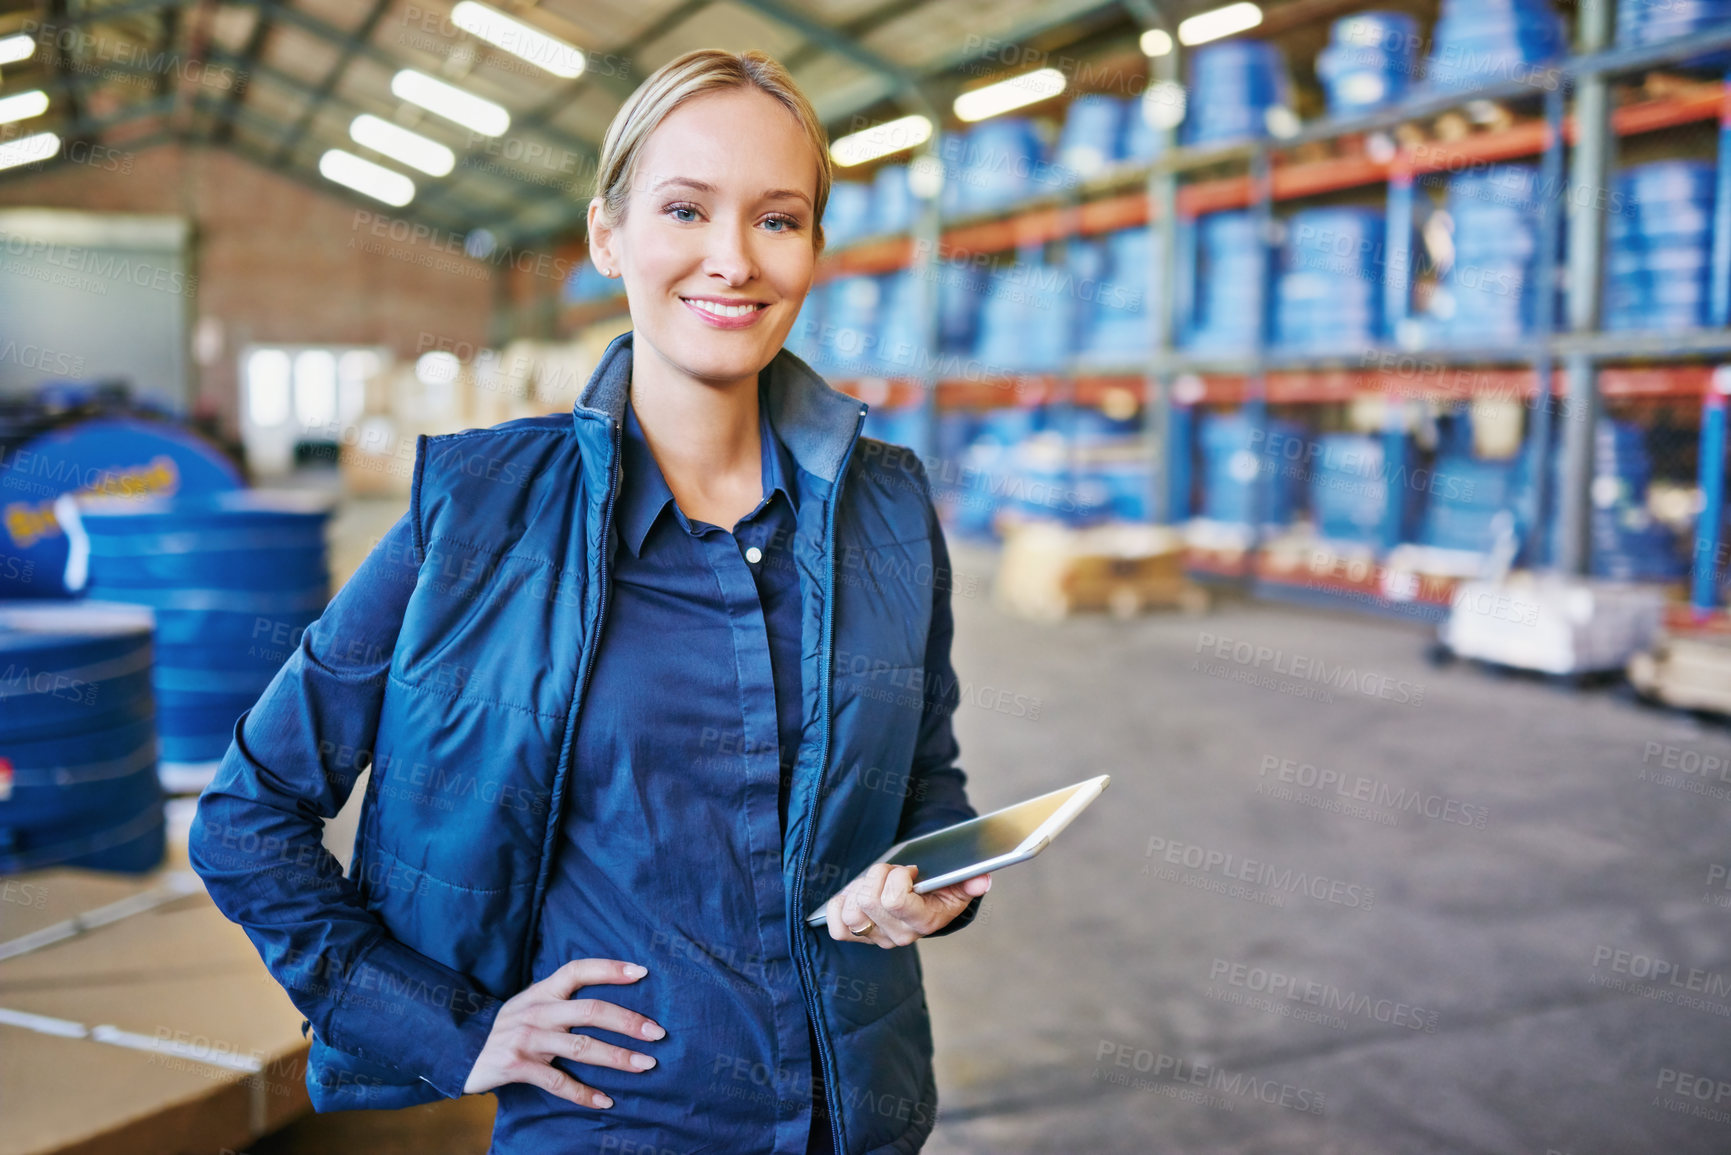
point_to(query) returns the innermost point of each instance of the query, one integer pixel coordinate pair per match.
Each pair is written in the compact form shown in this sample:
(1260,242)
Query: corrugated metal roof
(280,81)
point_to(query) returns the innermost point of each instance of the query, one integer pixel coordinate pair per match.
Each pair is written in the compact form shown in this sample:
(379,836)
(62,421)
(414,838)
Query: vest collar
(817,423)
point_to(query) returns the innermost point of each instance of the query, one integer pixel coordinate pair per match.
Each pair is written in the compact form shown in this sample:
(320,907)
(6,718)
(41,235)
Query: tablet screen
(981,839)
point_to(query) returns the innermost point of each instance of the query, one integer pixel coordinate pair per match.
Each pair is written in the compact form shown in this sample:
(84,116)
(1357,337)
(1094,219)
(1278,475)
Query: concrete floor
(1555,980)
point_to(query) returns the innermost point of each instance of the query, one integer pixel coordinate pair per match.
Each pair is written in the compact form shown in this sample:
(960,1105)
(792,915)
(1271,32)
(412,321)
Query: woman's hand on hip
(882,906)
(533,1028)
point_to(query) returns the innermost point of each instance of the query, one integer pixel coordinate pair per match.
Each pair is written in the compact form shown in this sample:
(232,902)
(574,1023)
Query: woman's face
(716,247)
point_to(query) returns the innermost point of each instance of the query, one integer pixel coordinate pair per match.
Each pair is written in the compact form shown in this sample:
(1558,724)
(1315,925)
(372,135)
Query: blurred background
(1325,404)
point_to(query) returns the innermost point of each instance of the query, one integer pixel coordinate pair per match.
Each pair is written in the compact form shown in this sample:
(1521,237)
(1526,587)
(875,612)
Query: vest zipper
(556,803)
(832,1094)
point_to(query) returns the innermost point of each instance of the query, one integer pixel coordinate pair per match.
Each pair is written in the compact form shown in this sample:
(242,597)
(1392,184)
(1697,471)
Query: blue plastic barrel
(78,779)
(847,215)
(850,323)
(1233,85)
(893,202)
(1329,294)
(1116,308)
(1641,22)
(1369,61)
(233,578)
(1481,42)
(1229,282)
(123,456)
(1093,131)
(1658,269)
(1246,469)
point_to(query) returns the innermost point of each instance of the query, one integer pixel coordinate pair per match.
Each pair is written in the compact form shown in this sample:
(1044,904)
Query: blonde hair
(693,74)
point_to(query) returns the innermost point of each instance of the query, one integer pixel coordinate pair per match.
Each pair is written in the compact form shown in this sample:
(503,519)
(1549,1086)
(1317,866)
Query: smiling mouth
(717,309)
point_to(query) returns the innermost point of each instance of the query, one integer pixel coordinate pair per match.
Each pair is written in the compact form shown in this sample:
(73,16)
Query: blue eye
(786,223)
(677,209)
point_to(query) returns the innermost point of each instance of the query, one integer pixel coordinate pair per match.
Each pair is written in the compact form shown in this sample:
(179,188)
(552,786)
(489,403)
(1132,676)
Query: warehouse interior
(1323,403)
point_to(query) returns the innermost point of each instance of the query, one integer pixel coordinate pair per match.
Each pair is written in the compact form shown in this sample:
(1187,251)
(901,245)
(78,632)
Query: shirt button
(753,555)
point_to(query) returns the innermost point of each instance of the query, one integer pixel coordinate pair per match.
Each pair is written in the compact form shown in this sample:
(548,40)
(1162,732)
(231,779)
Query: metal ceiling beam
(332,34)
(361,36)
(302,176)
(250,58)
(91,128)
(856,29)
(304,90)
(907,84)
(621,85)
(117,12)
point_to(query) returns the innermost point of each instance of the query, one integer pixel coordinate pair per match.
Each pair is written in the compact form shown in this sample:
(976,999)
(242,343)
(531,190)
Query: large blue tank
(124,456)
(233,579)
(78,781)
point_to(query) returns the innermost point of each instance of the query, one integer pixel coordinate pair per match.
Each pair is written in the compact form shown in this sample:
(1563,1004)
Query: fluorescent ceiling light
(1029,88)
(16,48)
(519,39)
(375,180)
(398,143)
(23,106)
(1156,42)
(28,149)
(1206,26)
(881,140)
(451,102)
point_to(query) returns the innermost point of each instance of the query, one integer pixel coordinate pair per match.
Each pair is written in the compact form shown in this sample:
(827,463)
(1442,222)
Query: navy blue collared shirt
(691,723)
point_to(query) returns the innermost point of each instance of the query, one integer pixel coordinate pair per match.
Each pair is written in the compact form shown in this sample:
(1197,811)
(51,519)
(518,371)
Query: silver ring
(862,931)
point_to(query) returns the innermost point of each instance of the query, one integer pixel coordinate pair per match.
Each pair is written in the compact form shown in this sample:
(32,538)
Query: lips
(726,309)
(725,314)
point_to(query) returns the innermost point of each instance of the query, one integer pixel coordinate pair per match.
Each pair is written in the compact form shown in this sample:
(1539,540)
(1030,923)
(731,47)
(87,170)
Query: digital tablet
(979,845)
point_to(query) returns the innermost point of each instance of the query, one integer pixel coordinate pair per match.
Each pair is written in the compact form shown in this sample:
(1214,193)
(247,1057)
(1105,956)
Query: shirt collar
(643,491)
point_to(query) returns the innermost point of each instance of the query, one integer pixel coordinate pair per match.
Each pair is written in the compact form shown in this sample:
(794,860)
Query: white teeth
(723,310)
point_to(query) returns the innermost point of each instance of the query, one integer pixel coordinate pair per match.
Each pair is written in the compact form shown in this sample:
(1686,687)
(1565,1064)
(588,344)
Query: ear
(602,240)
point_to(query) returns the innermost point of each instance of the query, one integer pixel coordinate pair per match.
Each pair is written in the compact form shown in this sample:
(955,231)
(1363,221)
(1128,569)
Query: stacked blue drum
(1093,134)
(1625,542)
(1243,478)
(1489,294)
(1465,498)
(1329,296)
(993,165)
(1233,86)
(1369,61)
(234,579)
(847,215)
(1484,42)
(1654,21)
(1352,482)
(78,784)
(899,349)
(1661,235)
(1229,284)
(1025,320)
(1114,323)
(850,323)
(893,202)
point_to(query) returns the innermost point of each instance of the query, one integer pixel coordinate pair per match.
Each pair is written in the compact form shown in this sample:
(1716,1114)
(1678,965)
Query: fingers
(556,1082)
(591,1052)
(584,972)
(595,1013)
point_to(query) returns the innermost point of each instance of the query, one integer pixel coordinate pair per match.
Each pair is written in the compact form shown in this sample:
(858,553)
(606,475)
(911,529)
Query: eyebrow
(774,194)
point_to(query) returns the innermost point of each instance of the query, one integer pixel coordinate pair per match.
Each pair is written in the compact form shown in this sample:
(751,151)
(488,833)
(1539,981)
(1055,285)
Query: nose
(729,258)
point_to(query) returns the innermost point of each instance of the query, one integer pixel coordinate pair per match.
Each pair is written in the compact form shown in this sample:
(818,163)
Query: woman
(619,750)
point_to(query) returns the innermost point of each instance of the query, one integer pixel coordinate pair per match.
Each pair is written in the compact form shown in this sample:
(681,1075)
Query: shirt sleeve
(937,795)
(256,841)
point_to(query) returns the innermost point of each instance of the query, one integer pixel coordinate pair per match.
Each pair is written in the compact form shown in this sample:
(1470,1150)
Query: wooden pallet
(1689,673)
(1050,571)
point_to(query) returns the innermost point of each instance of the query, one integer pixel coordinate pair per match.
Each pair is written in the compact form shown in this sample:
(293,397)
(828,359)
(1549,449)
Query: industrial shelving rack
(1566,363)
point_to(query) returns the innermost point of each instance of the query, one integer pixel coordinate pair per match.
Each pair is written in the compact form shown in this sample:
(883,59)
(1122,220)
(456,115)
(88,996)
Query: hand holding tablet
(980,845)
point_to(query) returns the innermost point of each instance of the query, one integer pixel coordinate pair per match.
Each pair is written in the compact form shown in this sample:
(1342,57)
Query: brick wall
(277,260)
